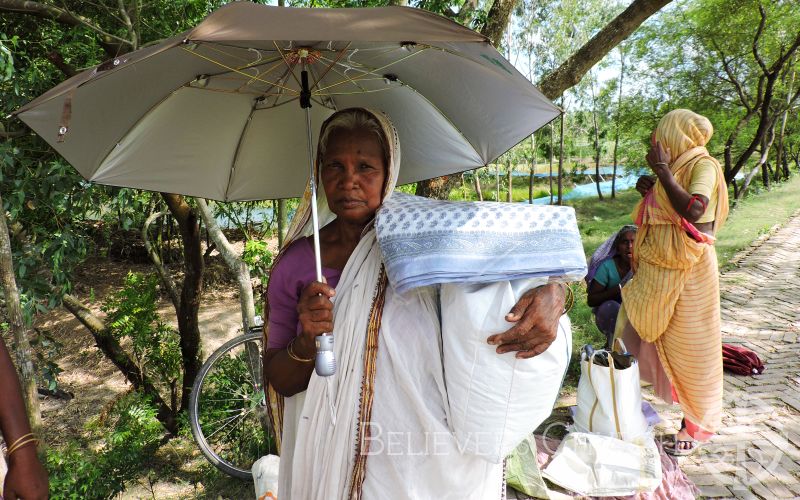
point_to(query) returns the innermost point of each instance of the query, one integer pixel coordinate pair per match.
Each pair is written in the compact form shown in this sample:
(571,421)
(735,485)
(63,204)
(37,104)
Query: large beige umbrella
(215,112)
(229,110)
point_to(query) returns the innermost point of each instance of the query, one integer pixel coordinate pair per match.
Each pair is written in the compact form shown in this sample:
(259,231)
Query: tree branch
(11,134)
(109,346)
(234,262)
(166,279)
(757,36)
(732,77)
(58,61)
(572,70)
(112,44)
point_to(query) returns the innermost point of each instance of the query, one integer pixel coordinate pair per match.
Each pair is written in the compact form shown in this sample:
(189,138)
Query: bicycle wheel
(227,408)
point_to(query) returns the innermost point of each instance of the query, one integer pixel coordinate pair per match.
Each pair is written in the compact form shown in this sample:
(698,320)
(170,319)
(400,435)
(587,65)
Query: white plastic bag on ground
(496,400)
(265,476)
(595,465)
(610,401)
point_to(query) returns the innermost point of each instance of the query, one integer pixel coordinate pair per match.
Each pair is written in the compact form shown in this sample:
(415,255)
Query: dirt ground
(178,470)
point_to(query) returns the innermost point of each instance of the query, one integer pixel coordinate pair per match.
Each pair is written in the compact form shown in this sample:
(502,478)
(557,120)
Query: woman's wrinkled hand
(535,317)
(644,184)
(315,312)
(26,478)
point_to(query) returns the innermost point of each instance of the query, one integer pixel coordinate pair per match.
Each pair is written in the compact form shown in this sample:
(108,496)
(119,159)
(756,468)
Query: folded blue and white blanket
(426,242)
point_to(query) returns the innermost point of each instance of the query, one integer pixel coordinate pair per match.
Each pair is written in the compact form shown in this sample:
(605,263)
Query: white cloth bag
(265,477)
(495,400)
(595,465)
(610,400)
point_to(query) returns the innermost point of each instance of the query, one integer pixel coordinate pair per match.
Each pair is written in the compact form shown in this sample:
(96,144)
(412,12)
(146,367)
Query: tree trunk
(766,144)
(497,20)
(190,292)
(596,146)
(437,188)
(162,271)
(282,222)
(109,346)
(617,120)
(234,262)
(533,169)
(779,153)
(572,70)
(19,330)
(510,180)
(497,182)
(550,177)
(561,157)
(477,184)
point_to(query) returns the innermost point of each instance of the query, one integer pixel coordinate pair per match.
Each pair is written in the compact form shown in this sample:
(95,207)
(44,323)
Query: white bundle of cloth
(427,242)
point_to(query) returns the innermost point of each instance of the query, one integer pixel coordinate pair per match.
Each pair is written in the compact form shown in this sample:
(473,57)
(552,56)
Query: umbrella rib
(234,70)
(319,101)
(355,92)
(276,105)
(338,58)
(238,148)
(347,78)
(374,72)
(288,65)
(260,73)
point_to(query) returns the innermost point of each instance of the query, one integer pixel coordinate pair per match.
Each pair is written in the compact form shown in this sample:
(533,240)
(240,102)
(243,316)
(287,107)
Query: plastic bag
(265,476)
(522,470)
(595,465)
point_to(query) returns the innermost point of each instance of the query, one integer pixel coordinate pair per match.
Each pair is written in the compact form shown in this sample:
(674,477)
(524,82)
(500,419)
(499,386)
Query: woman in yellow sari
(670,316)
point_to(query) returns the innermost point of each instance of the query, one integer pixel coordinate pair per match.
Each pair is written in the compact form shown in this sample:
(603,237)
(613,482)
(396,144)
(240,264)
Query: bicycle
(227,407)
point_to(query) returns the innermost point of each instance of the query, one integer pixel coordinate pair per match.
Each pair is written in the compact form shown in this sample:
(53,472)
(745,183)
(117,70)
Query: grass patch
(541,188)
(756,215)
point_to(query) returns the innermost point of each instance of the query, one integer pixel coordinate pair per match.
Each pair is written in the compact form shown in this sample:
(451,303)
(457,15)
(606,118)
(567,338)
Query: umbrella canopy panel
(216,113)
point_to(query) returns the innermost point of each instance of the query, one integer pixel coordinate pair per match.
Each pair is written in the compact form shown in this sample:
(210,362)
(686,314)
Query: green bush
(132,315)
(131,434)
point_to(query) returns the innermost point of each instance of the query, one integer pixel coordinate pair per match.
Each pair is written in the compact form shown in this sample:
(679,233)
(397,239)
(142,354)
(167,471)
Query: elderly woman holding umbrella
(389,437)
(670,313)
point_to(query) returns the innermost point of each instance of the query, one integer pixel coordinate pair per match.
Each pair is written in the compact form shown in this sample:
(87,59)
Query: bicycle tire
(239,470)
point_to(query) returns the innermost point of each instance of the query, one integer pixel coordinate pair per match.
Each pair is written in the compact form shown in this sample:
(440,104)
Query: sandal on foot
(679,448)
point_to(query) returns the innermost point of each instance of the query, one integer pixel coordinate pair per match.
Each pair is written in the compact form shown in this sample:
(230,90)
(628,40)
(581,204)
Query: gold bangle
(21,443)
(569,298)
(12,445)
(294,356)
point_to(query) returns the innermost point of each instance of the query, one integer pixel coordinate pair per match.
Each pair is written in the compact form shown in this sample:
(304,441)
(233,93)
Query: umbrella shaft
(314,216)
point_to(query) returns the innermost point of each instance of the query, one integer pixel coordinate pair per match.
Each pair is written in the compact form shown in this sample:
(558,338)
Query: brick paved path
(757,452)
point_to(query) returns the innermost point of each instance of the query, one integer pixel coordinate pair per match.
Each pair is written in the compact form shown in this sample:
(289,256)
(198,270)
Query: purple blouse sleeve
(283,296)
(289,277)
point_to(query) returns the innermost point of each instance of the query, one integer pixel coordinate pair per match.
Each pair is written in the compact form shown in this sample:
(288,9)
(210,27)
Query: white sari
(378,428)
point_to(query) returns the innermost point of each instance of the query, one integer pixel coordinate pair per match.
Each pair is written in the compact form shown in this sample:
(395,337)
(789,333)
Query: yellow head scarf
(681,130)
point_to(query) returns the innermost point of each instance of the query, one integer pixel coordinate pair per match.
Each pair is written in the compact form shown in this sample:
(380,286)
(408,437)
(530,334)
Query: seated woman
(379,427)
(609,270)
